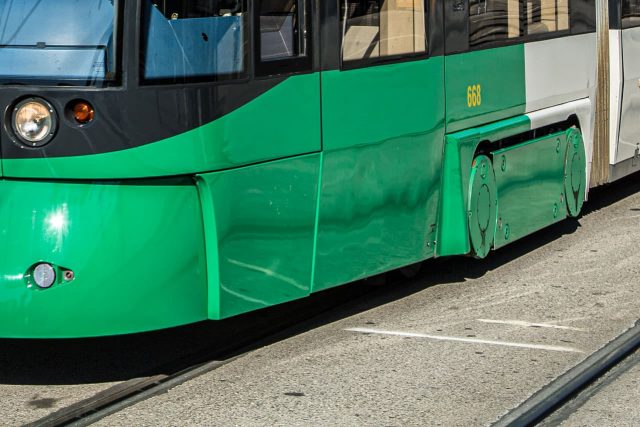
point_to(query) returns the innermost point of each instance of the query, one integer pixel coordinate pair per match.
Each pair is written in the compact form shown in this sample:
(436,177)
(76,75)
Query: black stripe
(129,118)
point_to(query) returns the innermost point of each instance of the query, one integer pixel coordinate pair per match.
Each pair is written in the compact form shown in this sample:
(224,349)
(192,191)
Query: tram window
(283,41)
(382,28)
(546,16)
(193,39)
(493,20)
(630,13)
(583,16)
(280,35)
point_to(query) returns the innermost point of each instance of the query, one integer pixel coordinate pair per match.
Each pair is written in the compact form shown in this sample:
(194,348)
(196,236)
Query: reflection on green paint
(137,252)
(530,179)
(383,129)
(259,223)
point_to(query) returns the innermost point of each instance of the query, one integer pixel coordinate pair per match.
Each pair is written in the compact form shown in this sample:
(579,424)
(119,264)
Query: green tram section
(273,209)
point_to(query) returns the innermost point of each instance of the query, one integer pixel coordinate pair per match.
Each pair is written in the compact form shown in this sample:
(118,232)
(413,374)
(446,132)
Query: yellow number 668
(474,96)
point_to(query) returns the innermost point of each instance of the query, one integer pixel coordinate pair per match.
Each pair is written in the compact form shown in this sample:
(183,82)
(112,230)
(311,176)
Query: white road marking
(466,340)
(530,324)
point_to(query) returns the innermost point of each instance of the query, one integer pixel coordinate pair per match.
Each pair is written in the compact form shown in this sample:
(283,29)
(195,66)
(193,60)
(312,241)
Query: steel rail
(567,385)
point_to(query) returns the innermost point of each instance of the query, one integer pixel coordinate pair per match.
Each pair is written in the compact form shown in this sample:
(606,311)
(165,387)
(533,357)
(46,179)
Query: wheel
(482,209)
(574,172)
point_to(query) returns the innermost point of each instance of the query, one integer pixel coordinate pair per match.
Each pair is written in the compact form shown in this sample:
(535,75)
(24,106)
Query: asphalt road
(461,345)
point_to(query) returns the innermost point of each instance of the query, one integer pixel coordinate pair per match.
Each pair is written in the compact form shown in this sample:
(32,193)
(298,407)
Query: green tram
(170,161)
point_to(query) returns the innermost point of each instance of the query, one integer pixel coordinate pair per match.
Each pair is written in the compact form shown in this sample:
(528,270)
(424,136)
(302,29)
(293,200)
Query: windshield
(57,41)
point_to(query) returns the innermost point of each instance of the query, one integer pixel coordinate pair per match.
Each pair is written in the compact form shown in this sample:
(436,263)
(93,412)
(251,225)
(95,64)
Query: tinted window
(193,39)
(382,28)
(283,38)
(583,16)
(546,16)
(493,20)
(280,35)
(630,13)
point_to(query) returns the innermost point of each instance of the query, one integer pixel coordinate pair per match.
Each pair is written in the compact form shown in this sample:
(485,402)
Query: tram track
(559,392)
(318,309)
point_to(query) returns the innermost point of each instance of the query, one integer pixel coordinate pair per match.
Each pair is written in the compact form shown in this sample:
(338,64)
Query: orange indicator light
(83,112)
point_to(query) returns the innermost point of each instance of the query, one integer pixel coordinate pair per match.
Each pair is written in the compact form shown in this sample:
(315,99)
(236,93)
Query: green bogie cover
(575,170)
(482,206)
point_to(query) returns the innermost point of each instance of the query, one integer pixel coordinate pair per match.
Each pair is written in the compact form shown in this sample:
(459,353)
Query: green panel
(530,178)
(259,225)
(281,122)
(382,135)
(137,252)
(500,74)
(459,151)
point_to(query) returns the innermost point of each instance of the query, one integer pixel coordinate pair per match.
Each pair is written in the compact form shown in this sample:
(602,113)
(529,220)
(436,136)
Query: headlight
(34,121)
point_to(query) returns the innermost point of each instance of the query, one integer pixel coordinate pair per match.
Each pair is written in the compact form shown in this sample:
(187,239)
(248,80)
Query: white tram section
(624,101)
(560,82)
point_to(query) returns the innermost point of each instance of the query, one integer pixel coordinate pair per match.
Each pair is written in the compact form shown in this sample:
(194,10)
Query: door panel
(629,124)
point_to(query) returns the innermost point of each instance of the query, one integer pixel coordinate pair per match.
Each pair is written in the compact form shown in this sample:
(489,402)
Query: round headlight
(34,121)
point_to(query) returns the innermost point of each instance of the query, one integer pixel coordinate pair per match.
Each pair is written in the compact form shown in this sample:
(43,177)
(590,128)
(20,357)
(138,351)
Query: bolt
(69,275)
(504,164)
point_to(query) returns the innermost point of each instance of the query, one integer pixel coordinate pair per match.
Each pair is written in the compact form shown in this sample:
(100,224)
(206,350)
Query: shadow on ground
(80,361)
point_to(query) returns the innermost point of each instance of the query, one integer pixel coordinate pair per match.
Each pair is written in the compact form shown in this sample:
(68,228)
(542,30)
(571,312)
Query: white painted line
(466,340)
(530,324)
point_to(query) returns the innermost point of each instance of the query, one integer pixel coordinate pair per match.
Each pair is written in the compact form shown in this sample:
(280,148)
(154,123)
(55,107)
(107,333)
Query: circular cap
(44,275)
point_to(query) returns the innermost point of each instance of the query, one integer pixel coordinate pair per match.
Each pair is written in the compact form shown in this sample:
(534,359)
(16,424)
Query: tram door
(382,136)
(629,141)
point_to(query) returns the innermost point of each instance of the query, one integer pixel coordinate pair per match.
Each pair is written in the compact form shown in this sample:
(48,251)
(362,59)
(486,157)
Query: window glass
(58,42)
(546,16)
(280,35)
(202,39)
(379,28)
(493,20)
(583,16)
(630,13)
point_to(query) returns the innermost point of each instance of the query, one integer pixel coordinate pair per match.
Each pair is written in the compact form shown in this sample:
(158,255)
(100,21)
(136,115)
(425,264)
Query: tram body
(171,161)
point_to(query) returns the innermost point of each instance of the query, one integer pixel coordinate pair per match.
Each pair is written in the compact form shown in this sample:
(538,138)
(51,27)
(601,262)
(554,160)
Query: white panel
(557,73)
(615,91)
(560,70)
(630,115)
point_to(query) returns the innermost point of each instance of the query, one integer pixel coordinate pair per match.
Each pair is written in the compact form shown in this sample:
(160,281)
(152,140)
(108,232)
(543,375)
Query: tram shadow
(119,358)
